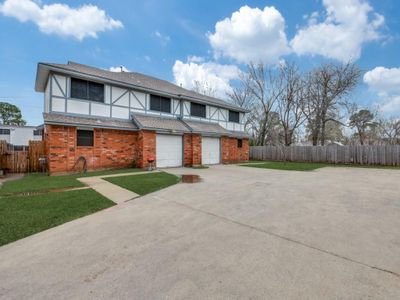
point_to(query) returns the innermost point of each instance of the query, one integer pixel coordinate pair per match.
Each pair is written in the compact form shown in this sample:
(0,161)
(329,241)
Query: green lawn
(22,216)
(146,183)
(303,166)
(289,166)
(200,167)
(39,182)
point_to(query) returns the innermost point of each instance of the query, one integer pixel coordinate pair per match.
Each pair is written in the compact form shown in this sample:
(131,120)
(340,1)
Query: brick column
(146,147)
(191,149)
(225,149)
(196,149)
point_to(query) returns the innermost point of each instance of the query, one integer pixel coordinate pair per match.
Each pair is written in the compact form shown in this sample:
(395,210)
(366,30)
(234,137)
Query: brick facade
(119,148)
(230,151)
(146,148)
(191,149)
(112,149)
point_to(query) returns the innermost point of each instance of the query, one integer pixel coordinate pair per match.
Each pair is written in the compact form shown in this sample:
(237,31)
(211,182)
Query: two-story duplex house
(112,119)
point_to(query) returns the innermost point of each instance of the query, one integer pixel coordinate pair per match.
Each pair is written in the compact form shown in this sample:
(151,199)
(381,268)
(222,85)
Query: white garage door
(168,150)
(210,151)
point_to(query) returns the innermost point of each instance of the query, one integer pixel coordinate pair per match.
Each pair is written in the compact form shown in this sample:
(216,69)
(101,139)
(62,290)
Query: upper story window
(87,90)
(197,110)
(4,131)
(233,116)
(160,103)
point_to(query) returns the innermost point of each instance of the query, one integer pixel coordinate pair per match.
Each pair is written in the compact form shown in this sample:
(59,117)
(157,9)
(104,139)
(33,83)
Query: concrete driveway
(333,233)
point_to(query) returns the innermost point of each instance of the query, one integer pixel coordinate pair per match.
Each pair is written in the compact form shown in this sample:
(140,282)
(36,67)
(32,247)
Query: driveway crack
(288,239)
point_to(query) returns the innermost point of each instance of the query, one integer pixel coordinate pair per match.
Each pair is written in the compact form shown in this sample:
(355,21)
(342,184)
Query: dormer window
(87,90)
(233,116)
(197,110)
(159,103)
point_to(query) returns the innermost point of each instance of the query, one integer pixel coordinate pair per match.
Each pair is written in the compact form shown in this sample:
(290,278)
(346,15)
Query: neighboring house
(20,135)
(112,119)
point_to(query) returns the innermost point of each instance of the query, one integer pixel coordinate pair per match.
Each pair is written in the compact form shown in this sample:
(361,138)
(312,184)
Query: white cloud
(391,106)
(251,34)
(118,69)
(383,80)
(348,25)
(215,75)
(386,83)
(164,39)
(147,58)
(84,21)
(195,59)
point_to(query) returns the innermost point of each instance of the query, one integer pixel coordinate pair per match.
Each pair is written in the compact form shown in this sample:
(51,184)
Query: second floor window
(87,90)
(159,103)
(197,110)
(233,116)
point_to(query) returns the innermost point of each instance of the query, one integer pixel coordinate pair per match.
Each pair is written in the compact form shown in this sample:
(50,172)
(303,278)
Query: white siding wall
(47,98)
(20,136)
(119,102)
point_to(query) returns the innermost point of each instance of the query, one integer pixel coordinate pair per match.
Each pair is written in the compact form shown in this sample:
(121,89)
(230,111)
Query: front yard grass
(146,183)
(39,182)
(288,166)
(305,166)
(23,216)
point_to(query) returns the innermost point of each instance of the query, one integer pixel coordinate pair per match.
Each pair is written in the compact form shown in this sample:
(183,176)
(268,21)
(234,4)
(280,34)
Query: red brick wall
(118,148)
(231,152)
(112,149)
(191,149)
(146,143)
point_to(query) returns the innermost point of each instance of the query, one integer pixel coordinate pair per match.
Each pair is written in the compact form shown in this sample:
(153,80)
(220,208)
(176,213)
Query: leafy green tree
(362,121)
(10,114)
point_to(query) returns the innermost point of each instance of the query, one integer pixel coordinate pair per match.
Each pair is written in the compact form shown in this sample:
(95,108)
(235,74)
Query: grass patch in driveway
(40,182)
(24,216)
(200,167)
(146,183)
(288,166)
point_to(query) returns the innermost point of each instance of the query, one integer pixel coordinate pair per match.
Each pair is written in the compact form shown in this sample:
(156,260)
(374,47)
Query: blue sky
(183,41)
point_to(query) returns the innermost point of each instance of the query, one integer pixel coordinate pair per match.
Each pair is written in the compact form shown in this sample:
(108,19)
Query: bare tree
(389,131)
(264,88)
(290,102)
(204,88)
(327,89)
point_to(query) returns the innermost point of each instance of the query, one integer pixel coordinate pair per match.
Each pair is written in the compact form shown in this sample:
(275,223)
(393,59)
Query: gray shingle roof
(239,134)
(134,79)
(59,119)
(203,127)
(159,123)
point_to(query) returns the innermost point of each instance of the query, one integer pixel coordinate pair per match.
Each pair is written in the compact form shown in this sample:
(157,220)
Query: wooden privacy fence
(21,161)
(365,155)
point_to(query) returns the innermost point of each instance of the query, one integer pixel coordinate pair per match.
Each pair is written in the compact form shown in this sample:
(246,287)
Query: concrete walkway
(113,192)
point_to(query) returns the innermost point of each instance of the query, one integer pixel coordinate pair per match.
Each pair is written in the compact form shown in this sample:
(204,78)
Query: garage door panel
(168,150)
(210,150)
